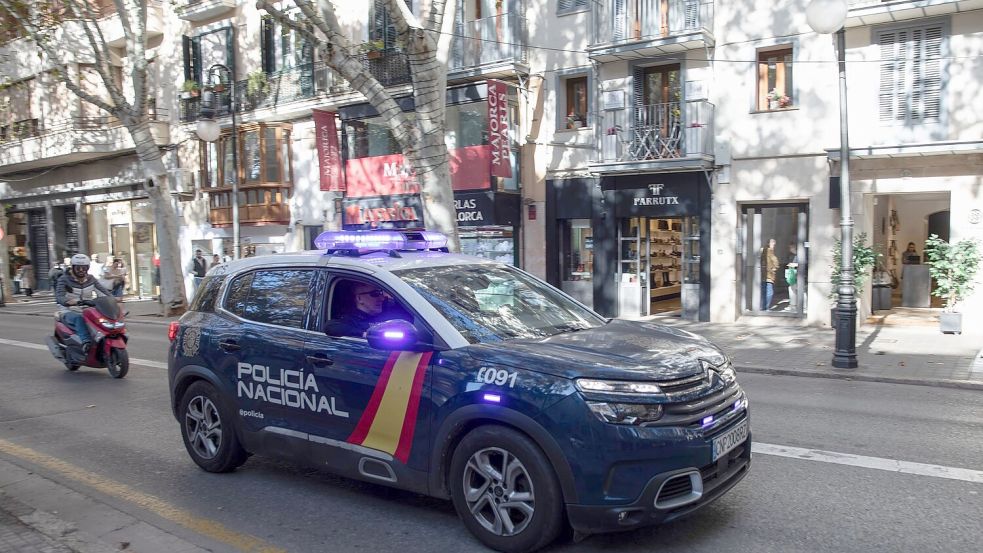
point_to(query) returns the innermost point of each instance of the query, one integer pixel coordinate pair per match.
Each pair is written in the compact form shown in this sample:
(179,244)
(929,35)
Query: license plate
(728,441)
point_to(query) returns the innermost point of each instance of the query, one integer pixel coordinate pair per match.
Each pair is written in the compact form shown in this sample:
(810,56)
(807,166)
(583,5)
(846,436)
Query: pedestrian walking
(27,278)
(115,274)
(769,267)
(200,267)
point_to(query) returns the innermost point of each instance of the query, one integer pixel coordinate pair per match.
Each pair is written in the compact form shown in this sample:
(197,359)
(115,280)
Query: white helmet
(80,259)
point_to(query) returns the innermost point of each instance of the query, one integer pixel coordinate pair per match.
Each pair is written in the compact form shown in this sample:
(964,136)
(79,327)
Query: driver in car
(372,306)
(73,286)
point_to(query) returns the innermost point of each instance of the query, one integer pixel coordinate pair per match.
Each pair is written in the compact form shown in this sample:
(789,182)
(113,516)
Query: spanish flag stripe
(362,428)
(409,422)
(387,425)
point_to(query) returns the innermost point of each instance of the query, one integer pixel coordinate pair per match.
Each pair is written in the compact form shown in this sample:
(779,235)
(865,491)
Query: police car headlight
(618,387)
(625,413)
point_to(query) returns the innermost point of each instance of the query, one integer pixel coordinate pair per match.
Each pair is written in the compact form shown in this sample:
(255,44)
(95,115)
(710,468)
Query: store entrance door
(651,265)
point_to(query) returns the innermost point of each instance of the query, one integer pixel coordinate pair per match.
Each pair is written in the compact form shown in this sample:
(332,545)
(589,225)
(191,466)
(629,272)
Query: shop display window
(577,249)
(495,243)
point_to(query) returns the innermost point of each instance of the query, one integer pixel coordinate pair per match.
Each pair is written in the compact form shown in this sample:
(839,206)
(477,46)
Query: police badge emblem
(190,341)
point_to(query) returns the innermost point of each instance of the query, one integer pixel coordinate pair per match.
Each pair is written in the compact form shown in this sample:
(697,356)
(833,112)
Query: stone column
(82,220)
(5,243)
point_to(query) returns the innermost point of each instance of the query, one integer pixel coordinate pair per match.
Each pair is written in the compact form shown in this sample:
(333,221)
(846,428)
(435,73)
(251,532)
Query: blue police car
(384,358)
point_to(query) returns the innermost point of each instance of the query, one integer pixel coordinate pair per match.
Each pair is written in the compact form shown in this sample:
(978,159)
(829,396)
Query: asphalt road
(117,445)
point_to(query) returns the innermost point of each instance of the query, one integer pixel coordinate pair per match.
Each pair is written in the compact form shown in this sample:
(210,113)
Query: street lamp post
(209,130)
(826,17)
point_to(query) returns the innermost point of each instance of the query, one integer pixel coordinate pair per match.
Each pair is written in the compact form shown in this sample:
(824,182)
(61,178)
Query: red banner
(328,154)
(389,175)
(498,129)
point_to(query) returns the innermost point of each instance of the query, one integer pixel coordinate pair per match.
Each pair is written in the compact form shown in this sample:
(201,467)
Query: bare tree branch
(100,51)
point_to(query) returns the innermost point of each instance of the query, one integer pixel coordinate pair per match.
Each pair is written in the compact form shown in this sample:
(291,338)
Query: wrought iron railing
(34,128)
(624,21)
(501,38)
(670,130)
(298,83)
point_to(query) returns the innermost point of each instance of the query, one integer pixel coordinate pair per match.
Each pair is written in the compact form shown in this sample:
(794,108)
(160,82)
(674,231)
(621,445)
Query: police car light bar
(359,241)
(425,240)
(376,240)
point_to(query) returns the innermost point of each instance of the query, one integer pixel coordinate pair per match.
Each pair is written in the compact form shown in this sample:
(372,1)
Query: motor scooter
(104,319)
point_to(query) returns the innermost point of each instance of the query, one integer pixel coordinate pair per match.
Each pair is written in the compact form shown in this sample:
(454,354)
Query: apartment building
(69,178)
(655,146)
(699,131)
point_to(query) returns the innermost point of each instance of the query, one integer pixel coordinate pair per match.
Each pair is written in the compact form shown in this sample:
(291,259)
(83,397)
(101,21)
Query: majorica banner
(328,154)
(498,128)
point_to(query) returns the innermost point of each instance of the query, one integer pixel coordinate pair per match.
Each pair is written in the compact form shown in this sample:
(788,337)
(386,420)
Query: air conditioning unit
(181,183)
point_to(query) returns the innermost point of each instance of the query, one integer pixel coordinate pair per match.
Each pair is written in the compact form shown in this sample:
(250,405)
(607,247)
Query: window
(283,48)
(382,29)
(207,294)
(570,6)
(277,297)
(911,74)
(264,157)
(576,102)
(775,79)
(576,249)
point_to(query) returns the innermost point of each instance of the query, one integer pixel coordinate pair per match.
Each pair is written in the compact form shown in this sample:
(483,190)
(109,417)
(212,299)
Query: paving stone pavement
(18,537)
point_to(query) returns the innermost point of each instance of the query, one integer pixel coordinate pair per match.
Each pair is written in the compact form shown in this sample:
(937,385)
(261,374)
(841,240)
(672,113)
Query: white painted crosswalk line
(133,360)
(877,463)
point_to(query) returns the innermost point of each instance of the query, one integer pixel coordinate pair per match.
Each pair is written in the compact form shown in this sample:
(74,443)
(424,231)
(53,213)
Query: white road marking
(133,360)
(878,463)
(977,366)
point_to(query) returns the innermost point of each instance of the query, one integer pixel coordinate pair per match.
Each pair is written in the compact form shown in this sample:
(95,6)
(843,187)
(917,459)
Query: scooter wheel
(118,363)
(72,366)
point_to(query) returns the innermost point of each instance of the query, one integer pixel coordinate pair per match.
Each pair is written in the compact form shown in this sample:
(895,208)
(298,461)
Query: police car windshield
(491,303)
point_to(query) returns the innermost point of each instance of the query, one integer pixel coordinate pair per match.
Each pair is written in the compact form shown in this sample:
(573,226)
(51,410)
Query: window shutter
(196,59)
(638,98)
(564,6)
(891,78)
(927,78)
(268,50)
(188,60)
(619,20)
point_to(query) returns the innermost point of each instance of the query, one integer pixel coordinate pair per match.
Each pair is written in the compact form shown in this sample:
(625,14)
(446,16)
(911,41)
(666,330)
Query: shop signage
(328,154)
(399,211)
(498,129)
(392,175)
(658,195)
(476,209)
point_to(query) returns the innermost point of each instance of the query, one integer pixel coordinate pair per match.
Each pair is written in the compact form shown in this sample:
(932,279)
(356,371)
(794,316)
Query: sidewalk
(903,354)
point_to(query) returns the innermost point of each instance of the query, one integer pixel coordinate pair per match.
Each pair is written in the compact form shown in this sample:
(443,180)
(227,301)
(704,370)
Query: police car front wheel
(207,430)
(504,489)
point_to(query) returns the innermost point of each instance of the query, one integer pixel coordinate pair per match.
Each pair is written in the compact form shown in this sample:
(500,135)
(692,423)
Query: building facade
(655,148)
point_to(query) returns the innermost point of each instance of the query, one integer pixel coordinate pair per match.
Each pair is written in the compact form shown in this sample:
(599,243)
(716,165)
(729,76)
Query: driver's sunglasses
(374,293)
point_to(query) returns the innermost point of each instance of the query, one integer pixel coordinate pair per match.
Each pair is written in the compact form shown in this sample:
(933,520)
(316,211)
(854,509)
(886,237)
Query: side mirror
(392,335)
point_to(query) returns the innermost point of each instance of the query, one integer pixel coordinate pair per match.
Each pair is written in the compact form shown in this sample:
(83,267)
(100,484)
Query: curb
(936,382)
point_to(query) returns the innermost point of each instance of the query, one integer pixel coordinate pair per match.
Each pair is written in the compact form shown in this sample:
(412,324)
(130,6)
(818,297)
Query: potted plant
(189,89)
(778,100)
(864,259)
(954,267)
(373,49)
(257,84)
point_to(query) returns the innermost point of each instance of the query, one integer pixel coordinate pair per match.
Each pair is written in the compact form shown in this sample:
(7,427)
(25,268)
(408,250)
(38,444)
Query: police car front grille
(687,385)
(691,414)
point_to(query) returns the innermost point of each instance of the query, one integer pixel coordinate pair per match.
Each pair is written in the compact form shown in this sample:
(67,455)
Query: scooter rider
(74,286)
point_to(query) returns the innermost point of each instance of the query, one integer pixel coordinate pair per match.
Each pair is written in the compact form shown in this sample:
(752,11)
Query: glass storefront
(577,259)
(126,230)
(775,251)
(495,243)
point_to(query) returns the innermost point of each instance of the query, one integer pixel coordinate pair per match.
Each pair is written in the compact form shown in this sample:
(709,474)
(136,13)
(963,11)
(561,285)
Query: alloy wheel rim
(499,491)
(203,426)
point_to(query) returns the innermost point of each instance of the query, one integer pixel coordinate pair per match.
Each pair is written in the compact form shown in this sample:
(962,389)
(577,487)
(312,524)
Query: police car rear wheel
(505,491)
(206,428)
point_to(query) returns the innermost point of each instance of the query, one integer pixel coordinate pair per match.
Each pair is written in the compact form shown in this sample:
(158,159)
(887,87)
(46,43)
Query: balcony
(38,144)
(201,10)
(112,27)
(875,12)
(300,83)
(657,137)
(646,28)
(270,214)
(489,47)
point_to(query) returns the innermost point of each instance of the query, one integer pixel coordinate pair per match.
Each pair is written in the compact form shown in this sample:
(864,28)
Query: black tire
(532,486)
(71,366)
(118,363)
(203,412)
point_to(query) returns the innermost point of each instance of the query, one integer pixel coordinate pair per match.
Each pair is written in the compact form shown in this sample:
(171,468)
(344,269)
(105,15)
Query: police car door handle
(319,360)
(229,345)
